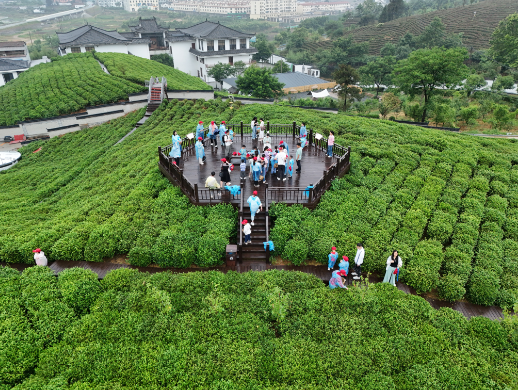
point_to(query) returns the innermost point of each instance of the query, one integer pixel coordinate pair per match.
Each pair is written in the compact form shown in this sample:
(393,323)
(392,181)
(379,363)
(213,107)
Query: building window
(193,45)
(210,45)
(221,44)
(231,60)
(198,73)
(202,60)
(242,43)
(232,44)
(89,48)
(76,50)
(201,72)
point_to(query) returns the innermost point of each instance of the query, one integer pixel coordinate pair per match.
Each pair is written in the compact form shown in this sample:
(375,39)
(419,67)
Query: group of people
(394,263)
(255,206)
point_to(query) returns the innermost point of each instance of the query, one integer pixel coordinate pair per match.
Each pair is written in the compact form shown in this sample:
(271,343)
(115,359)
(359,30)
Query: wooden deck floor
(314,162)
(101,269)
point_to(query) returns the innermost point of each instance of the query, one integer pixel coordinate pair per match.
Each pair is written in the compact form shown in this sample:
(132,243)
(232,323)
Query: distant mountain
(476,22)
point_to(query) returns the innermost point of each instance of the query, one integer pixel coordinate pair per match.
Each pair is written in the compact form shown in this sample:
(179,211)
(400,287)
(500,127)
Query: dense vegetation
(84,198)
(75,81)
(258,330)
(139,70)
(65,85)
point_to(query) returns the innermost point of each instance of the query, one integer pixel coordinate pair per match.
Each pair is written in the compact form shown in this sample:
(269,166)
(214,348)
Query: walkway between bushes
(320,271)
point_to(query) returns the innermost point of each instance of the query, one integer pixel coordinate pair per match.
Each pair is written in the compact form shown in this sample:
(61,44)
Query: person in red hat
(337,280)
(255,205)
(227,143)
(200,130)
(255,169)
(344,265)
(333,256)
(200,150)
(247,231)
(225,172)
(213,134)
(39,257)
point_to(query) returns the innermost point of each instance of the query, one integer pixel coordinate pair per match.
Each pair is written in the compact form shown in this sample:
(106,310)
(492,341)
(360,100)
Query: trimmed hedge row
(271,329)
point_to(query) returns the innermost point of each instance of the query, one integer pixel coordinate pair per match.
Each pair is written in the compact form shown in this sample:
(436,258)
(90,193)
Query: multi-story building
(110,3)
(273,10)
(135,5)
(336,6)
(16,50)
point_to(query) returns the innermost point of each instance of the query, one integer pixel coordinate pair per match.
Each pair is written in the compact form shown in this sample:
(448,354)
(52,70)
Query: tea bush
(271,329)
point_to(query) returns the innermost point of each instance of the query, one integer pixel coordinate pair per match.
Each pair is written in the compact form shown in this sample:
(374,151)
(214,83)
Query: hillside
(75,81)
(476,28)
(256,330)
(447,202)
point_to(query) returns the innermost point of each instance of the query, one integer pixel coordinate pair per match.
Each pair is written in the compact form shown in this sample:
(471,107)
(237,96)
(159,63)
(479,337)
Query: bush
(422,273)
(79,288)
(140,256)
(211,251)
(483,287)
(296,251)
(451,288)
(487,332)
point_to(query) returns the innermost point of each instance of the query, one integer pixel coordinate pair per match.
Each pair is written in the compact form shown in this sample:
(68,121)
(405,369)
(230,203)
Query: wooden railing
(274,129)
(267,249)
(240,227)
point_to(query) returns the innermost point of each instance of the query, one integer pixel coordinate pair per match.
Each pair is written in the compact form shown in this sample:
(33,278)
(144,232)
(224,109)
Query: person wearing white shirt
(394,263)
(247,231)
(281,164)
(39,257)
(358,261)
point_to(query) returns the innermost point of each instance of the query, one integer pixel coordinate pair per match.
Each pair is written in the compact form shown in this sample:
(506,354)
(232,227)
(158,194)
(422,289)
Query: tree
(393,10)
(347,77)
(435,35)
(259,82)
(297,38)
(378,72)
(469,115)
(281,67)
(503,82)
(427,69)
(474,81)
(165,59)
(239,68)
(504,41)
(220,71)
(502,118)
(264,48)
(389,102)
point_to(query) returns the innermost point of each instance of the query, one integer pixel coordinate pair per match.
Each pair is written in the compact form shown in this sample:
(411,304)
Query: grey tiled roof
(148,26)
(6,64)
(12,44)
(178,36)
(211,30)
(252,50)
(290,80)
(90,35)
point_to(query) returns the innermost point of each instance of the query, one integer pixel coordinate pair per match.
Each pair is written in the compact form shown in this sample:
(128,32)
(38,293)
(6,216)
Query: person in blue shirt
(213,134)
(242,151)
(336,280)
(333,256)
(344,265)
(255,204)
(303,134)
(200,131)
(200,150)
(256,171)
(255,127)
(175,150)
(290,166)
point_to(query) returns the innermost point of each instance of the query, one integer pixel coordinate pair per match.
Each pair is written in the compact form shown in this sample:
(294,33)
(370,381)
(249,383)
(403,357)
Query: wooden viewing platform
(318,170)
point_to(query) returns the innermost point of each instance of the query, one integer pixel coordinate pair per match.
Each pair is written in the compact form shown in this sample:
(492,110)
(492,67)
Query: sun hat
(223,122)
(200,122)
(200,138)
(223,160)
(254,193)
(333,248)
(244,222)
(342,272)
(345,258)
(37,250)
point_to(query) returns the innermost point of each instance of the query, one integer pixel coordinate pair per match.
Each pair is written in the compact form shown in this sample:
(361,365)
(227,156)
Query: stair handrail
(149,89)
(267,249)
(240,227)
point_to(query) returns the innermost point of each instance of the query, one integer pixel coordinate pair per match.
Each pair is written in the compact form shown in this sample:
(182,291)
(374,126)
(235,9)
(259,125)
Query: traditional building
(16,50)
(90,38)
(11,69)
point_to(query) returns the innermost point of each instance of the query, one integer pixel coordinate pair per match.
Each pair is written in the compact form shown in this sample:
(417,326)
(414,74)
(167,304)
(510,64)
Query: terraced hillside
(476,23)
(75,81)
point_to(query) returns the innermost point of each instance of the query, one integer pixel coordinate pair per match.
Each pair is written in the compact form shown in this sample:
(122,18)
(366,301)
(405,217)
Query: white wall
(137,49)
(183,60)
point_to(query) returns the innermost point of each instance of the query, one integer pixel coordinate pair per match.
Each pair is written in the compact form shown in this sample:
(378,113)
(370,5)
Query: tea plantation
(75,81)
(447,202)
(257,330)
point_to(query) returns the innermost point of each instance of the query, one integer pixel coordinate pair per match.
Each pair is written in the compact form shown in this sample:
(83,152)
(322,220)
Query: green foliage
(220,71)
(255,329)
(483,287)
(296,251)
(259,82)
(347,77)
(451,288)
(503,42)
(164,59)
(264,48)
(281,67)
(79,288)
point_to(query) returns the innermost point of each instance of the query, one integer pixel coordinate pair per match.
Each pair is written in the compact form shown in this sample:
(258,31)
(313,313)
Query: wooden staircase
(157,92)
(255,251)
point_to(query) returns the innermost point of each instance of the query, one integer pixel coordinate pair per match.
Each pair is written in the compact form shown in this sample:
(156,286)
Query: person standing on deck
(336,280)
(298,157)
(281,164)
(175,152)
(227,143)
(242,168)
(394,263)
(261,130)
(39,257)
(256,172)
(303,134)
(255,127)
(199,130)
(290,166)
(212,134)
(255,204)
(243,151)
(358,261)
(200,150)
(285,146)
(330,143)
(253,122)
(333,256)
(267,141)
(225,173)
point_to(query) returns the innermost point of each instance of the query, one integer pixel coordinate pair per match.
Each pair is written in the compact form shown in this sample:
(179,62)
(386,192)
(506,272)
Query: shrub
(483,287)
(487,332)
(422,273)
(296,251)
(79,288)
(211,251)
(122,279)
(451,288)
(320,249)
(140,256)
(506,299)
